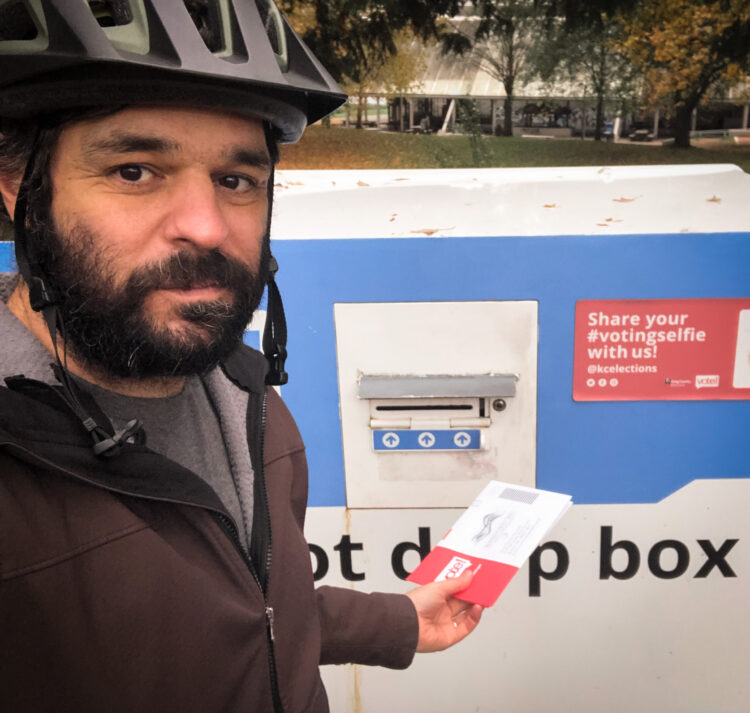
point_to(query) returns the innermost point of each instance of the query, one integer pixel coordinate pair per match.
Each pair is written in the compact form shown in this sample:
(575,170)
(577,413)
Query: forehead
(200,133)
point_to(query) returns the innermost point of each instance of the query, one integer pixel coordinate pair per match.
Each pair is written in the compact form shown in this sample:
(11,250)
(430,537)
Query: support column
(655,132)
(745,115)
(411,113)
(694,120)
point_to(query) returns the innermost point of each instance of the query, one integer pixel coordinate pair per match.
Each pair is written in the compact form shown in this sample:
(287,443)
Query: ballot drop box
(583,330)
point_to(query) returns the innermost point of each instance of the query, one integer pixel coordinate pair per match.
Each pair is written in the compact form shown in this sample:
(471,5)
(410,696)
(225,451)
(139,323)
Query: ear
(9,193)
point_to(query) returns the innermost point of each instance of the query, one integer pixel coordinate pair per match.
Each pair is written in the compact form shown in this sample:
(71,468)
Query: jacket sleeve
(373,629)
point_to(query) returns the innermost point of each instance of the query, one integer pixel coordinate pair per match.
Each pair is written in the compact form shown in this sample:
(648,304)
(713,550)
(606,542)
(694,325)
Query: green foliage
(468,120)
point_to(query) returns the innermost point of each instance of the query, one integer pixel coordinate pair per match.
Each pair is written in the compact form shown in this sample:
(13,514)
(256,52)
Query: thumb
(457,584)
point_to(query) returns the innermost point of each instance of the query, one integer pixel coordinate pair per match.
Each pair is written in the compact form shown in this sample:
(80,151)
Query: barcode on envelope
(519,496)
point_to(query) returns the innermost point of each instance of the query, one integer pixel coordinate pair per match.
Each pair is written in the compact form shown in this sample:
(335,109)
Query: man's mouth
(195,290)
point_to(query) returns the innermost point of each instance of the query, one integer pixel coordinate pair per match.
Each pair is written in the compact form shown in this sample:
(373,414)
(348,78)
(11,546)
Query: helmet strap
(274,332)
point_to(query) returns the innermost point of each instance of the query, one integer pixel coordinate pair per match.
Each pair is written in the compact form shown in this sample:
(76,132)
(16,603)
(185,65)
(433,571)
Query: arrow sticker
(391,440)
(400,440)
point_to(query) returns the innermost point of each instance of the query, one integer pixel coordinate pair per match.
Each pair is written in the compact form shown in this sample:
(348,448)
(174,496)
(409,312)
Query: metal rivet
(499,404)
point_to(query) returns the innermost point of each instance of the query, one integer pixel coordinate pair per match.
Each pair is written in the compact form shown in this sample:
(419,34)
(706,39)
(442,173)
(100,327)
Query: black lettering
(606,570)
(536,573)
(321,561)
(716,558)
(345,548)
(397,556)
(654,559)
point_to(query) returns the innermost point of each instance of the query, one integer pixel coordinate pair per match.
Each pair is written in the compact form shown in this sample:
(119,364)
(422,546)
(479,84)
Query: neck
(160,387)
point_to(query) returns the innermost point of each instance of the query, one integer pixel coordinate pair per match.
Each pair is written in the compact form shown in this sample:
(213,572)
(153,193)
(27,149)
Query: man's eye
(132,173)
(236,183)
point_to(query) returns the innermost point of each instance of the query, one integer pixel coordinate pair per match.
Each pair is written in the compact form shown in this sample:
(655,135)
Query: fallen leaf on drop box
(432,231)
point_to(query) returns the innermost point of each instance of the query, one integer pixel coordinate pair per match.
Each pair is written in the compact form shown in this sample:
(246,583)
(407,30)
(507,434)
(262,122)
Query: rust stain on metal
(713,199)
(294,183)
(603,225)
(356,692)
(392,218)
(625,200)
(550,205)
(362,183)
(432,231)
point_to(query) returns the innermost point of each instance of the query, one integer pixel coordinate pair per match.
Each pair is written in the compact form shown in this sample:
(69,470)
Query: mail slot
(436,398)
(433,412)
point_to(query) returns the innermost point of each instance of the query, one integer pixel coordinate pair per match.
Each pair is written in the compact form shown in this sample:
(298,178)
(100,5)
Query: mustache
(185,270)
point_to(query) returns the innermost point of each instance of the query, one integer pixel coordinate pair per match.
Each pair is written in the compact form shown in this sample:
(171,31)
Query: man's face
(158,238)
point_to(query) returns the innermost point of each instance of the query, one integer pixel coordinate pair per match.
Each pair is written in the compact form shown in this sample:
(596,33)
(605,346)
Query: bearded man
(152,486)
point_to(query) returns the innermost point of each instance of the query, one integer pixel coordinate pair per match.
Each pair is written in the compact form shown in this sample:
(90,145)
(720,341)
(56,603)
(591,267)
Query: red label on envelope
(490,577)
(648,350)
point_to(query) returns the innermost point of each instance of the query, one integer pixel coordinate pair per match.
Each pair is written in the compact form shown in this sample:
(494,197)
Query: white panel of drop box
(437,338)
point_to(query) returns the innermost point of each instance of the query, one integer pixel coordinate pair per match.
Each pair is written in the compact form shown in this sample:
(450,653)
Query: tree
(349,36)
(585,55)
(497,38)
(684,47)
(355,39)
(392,75)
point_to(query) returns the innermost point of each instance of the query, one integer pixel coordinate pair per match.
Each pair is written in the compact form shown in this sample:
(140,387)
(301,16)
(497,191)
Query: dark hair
(17,137)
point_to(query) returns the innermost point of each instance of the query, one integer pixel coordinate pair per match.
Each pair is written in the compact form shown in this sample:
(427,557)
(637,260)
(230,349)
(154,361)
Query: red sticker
(658,350)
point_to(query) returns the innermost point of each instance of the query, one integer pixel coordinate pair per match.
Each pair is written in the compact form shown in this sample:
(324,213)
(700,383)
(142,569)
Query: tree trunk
(682,121)
(508,116)
(359,110)
(599,116)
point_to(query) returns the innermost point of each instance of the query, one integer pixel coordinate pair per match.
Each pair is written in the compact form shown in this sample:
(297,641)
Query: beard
(107,327)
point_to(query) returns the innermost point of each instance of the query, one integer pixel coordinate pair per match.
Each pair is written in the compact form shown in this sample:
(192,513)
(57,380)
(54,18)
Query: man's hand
(443,619)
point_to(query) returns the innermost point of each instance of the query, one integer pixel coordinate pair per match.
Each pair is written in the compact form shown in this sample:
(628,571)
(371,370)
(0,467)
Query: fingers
(466,620)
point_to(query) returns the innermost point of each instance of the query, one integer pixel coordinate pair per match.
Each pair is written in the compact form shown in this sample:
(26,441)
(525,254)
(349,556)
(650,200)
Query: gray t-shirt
(184,428)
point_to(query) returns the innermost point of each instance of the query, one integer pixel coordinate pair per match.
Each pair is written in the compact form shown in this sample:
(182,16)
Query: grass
(337,147)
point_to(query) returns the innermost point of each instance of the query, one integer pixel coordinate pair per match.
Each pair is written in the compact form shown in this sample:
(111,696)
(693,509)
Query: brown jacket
(122,589)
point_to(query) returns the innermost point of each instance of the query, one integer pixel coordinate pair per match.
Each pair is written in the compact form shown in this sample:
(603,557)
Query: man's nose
(195,213)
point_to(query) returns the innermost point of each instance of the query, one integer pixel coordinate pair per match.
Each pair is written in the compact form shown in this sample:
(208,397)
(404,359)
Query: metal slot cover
(400,386)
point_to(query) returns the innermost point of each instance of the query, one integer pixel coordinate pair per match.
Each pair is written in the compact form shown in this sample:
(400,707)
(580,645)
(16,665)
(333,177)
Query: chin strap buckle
(41,296)
(109,447)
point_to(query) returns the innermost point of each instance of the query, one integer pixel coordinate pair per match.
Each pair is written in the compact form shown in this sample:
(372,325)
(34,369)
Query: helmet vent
(207,19)
(16,23)
(111,13)
(270,23)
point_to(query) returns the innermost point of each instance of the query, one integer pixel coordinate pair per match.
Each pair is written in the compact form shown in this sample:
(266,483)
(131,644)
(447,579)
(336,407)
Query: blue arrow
(390,439)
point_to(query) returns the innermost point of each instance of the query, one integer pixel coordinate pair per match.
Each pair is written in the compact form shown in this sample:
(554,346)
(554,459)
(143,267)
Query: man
(152,488)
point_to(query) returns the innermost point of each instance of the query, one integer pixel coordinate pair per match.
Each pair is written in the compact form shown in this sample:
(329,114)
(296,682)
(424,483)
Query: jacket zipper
(231,530)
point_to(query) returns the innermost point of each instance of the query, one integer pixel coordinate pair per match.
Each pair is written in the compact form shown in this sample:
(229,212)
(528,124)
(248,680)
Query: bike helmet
(238,55)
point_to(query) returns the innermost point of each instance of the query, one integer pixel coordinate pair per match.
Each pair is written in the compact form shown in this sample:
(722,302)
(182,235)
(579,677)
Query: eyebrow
(248,157)
(121,142)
